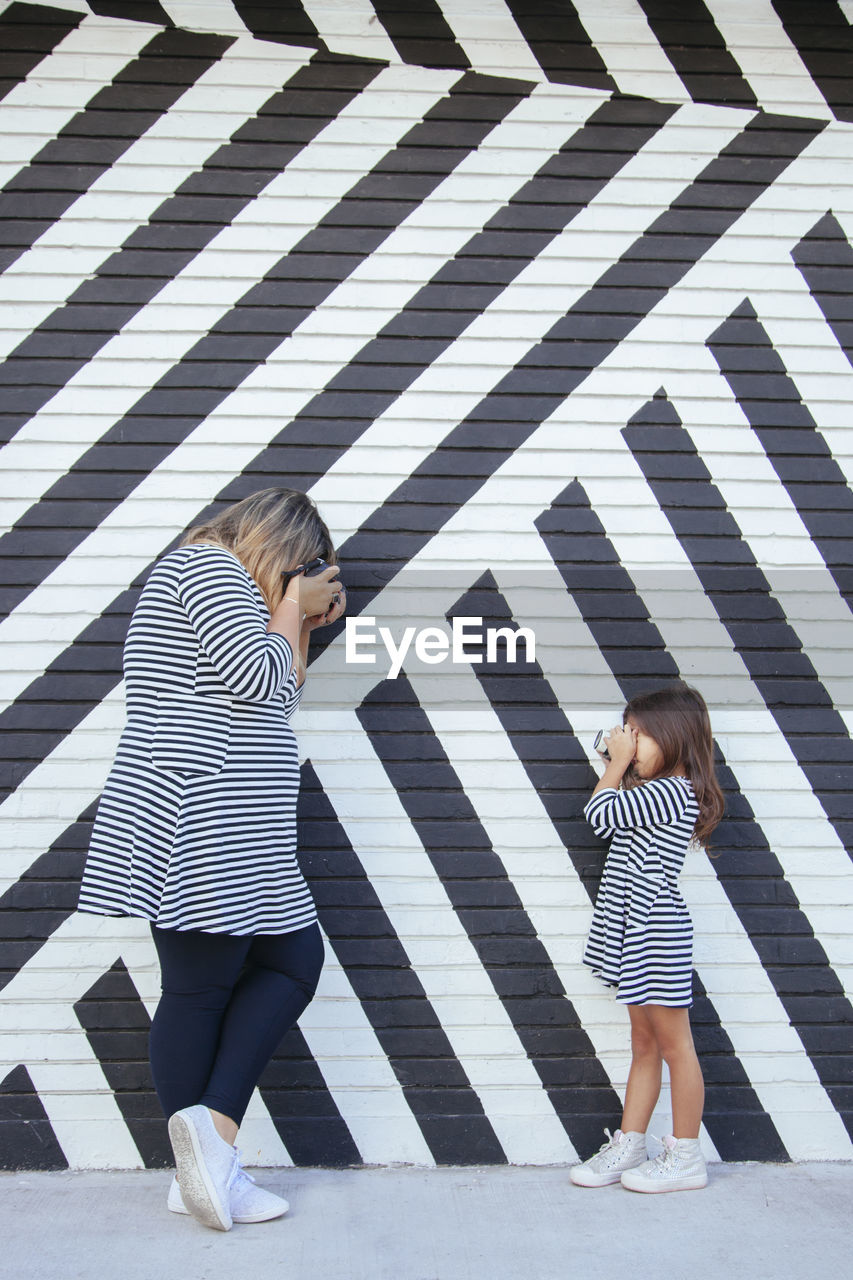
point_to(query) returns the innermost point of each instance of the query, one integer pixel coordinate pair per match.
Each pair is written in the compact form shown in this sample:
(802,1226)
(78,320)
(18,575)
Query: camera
(309,570)
(600,744)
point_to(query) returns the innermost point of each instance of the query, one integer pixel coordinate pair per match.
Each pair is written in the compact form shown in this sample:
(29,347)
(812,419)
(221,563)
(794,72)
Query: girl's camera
(600,744)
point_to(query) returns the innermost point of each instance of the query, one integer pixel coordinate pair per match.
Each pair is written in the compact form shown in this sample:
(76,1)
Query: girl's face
(648,759)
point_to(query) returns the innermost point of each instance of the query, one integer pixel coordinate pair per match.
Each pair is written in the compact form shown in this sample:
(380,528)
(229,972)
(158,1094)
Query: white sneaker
(620,1151)
(249,1202)
(679,1167)
(207,1166)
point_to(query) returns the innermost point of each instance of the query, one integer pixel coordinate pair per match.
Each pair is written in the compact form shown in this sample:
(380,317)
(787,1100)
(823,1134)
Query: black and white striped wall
(548,304)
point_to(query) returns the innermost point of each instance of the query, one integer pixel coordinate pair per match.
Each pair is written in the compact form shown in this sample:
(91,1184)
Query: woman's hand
(337,610)
(315,595)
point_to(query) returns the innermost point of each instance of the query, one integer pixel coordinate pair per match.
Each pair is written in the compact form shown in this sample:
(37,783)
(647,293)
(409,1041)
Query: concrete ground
(756,1222)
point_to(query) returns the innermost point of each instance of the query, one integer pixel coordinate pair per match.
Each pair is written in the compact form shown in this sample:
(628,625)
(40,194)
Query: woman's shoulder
(206,557)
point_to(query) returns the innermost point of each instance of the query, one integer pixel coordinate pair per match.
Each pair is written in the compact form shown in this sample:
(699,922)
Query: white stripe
(620,31)
(770,523)
(760,45)
(455,983)
(217,16)
(43,1033)
(490,38)
(126,195)
(279,384)
(523,836)
(769,776)
(806,1120)
(358,1074)
(82,64)
(48,799)
(352,27)
(260,235)
(570,264)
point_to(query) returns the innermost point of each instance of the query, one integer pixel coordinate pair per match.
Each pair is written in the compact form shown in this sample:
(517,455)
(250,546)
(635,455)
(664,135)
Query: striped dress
(196,828)
(641,938)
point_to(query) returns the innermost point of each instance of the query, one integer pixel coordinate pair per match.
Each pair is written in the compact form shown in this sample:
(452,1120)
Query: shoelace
(667,1157)
(238,1170)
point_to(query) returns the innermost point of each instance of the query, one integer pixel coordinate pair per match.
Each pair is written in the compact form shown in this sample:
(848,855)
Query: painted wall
(548,305)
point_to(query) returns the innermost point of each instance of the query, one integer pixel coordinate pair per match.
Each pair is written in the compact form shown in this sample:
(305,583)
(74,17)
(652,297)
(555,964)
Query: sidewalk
(761,1222)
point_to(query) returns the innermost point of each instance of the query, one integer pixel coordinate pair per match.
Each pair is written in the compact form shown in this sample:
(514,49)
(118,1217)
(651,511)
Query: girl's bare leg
(671,1029)
(644,1078)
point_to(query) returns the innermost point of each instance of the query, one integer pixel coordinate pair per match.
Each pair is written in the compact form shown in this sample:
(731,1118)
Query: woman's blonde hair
(269,532)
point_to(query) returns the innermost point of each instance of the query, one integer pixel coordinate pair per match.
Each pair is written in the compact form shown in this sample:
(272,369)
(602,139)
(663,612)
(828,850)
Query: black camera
(310,570)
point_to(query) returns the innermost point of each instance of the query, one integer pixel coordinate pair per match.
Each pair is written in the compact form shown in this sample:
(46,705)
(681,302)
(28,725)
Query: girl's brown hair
(676,717)
(269,532)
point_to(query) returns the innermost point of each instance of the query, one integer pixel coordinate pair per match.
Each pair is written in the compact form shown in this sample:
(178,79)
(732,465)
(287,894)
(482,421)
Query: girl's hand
(622,745)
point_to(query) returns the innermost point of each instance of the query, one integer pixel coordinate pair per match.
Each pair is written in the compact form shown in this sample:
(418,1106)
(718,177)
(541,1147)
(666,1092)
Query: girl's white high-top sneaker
(621,1151)
(679,1167)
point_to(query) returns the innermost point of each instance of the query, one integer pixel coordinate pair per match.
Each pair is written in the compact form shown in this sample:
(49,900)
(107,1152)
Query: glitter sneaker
(207,1166)
(679,1167)
(248,1202)
(621,1151)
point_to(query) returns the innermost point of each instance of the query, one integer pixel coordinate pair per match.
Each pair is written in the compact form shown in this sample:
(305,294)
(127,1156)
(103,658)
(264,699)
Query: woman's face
(648,759)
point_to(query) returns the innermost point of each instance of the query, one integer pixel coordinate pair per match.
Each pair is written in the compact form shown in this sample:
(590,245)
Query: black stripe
(490,910)
(132,11)
(825,258)
(176,232)
(265,315)
(823,38)
(502,419)
(560,44)
(302,1107)
(789,436)
(433,1081)
(785,678)
(28,33)
(420,33)
(113,120)
(284,21)
(27,1140)
(620,625)
(689,37)
(570,351)
(457,294)
(42,898)
(741,595)
(117,1024)
(437,314)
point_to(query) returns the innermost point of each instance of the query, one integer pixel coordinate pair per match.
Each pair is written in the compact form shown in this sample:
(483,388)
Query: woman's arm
(307,603)
(222,607)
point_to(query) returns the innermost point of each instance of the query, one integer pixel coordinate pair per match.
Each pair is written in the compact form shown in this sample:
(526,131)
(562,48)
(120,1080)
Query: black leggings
(226,1003)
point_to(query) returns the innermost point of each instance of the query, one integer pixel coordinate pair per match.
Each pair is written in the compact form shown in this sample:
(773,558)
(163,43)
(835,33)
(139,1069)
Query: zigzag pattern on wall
(456,278)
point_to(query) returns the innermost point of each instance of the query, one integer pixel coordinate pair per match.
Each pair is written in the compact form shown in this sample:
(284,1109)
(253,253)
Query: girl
(196,829)
(641,938)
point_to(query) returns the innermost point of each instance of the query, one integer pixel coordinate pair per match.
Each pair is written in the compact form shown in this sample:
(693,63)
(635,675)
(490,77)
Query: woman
(196,828)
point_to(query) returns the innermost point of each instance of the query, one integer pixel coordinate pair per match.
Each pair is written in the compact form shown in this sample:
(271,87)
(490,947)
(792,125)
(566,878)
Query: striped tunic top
(196,827)
(641,937)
